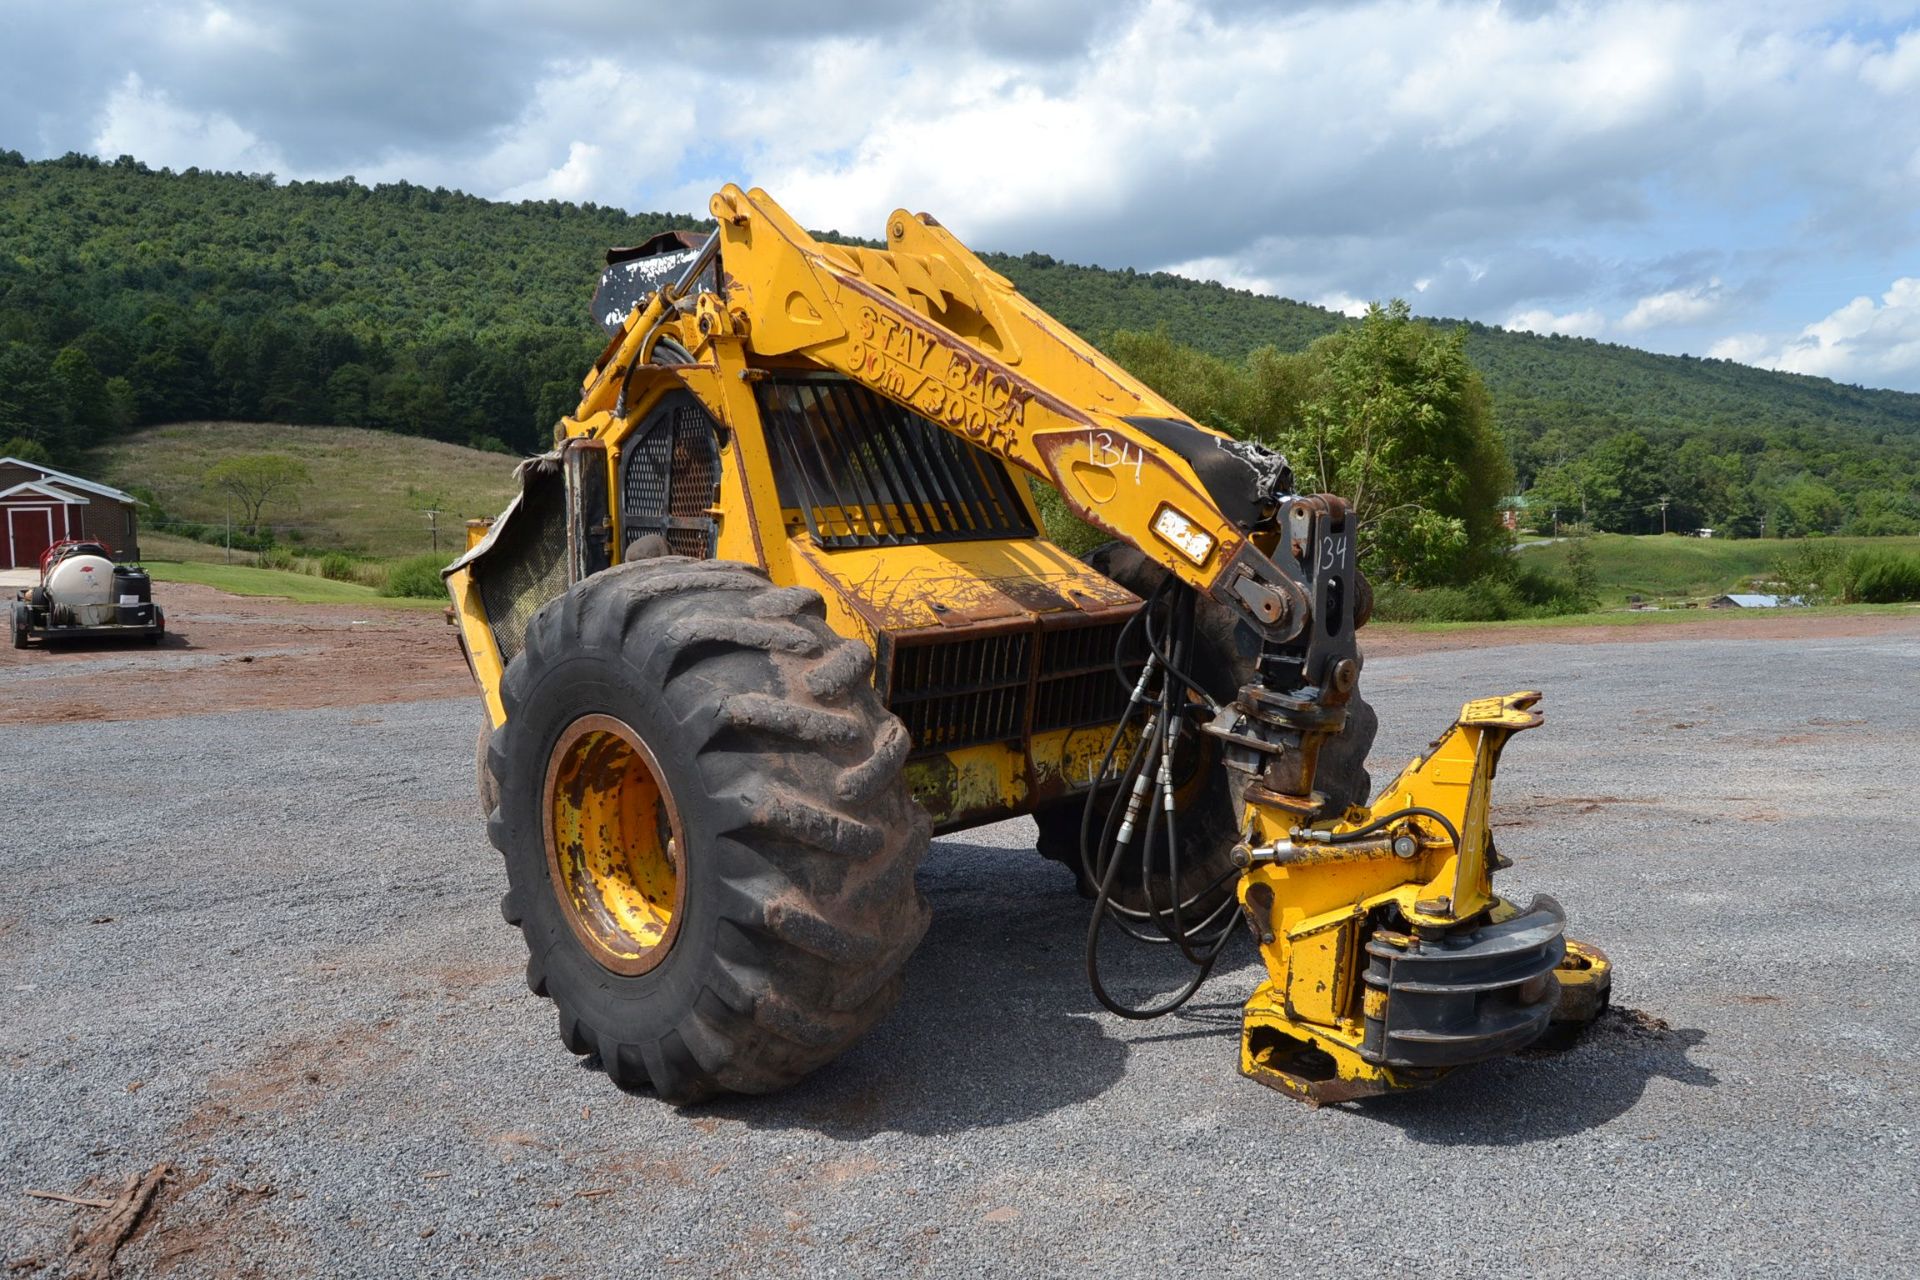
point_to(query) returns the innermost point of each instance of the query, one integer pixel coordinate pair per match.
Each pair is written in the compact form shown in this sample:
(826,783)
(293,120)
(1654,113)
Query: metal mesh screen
(866,472)
(670,478)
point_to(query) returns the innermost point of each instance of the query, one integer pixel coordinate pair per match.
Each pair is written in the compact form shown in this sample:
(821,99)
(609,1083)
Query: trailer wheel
(20,625)
(710,845)
(1210,815)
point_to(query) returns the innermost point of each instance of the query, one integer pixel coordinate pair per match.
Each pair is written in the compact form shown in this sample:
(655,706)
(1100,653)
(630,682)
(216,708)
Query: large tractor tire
(1209,808)
(486,790)
(710,846)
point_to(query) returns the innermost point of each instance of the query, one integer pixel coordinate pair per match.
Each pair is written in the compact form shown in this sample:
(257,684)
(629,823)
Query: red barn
(39,506)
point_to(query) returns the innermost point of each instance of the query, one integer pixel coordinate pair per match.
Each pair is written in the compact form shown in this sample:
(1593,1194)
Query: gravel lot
(264,945)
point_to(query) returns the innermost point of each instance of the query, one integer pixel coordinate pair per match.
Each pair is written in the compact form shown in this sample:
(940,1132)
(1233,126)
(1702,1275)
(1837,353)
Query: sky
(1730,179)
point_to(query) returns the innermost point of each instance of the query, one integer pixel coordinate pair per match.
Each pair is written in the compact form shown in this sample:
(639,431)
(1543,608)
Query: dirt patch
(234,653)
(288,1078)
(1533,809)
(646,1171)
(201,1226)
(167,1221)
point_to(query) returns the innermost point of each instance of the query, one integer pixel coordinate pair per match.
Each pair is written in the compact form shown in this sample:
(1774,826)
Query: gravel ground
(265,946)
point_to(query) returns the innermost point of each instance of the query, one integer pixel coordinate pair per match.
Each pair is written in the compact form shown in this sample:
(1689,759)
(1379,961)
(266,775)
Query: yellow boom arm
(927,324)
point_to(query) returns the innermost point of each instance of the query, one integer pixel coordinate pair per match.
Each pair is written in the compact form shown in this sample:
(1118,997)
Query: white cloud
(1676,307)
(1897,70)
(577,179)
(1862,341)
(1345,303)
(211,24)
(1743,348)
(587,129)
(1581,324)
(1226,271)
(148,125)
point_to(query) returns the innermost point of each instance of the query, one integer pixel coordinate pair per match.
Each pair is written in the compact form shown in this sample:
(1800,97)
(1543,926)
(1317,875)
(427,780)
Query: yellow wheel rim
(614,845)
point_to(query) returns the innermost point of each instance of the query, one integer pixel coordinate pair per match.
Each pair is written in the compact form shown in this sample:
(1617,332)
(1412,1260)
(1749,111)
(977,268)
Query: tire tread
(816,834)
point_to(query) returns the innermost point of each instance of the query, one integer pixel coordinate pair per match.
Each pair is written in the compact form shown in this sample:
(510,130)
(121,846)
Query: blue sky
(1716,178)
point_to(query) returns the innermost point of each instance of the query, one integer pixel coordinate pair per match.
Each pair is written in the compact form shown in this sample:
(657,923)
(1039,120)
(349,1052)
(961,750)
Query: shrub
(416,576)
(1815,572)
(1482,600)
(1882,577)
(339,567)
(279,558)
(1554,597)
(1525,594)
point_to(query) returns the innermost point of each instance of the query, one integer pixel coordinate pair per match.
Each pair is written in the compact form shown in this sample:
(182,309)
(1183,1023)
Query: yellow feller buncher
(779,607)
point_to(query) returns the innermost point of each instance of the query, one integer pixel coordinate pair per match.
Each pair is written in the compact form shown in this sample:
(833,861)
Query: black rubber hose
(1094,867)
(1136,1013)
(1160,735)
(1178,670)
(1415,811)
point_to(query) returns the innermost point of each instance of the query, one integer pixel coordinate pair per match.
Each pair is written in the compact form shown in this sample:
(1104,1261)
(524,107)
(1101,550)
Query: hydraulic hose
(1142,806)
(1414,811)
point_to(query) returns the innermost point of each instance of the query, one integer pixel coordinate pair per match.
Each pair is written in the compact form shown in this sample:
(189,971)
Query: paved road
(264,946)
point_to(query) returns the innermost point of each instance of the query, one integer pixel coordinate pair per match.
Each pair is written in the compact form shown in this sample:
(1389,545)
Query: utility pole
(229,528)
(433,526)
(1663,514)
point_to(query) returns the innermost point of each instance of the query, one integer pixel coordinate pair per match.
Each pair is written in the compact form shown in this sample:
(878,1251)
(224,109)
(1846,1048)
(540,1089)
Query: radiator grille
(1077,684)
(866,472)
(962,692)
(671,478)
(977,689)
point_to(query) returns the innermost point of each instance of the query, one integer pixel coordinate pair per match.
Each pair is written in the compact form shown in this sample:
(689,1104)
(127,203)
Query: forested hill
(131,296)
(1549,379)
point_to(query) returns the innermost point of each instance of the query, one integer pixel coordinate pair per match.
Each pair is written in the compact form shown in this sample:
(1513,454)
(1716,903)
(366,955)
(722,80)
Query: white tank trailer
(82,592)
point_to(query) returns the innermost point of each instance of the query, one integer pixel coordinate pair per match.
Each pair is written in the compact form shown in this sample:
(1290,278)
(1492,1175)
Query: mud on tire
(800,838)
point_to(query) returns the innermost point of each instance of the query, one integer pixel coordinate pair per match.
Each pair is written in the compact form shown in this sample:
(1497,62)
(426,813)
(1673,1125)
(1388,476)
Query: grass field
(1671,569)
(369,493)
(305,588)
(165,546)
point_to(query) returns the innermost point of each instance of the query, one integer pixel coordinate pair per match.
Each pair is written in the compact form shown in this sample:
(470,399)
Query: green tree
(121,406)
(256,479)
(1560,490)
(80,387)
(1625,480)
(26,450)
(1802,506)
(349,394)
(1398,423)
